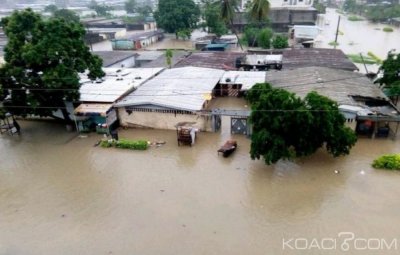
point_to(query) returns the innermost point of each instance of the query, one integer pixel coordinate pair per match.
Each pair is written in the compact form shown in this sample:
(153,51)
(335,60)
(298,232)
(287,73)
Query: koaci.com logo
(345,241)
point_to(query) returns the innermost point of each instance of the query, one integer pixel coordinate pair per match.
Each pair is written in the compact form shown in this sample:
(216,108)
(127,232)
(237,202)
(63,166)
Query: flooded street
(60,195)
(359,36)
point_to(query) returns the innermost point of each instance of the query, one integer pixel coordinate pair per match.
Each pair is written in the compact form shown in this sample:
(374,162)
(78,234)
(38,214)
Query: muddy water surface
(60,195)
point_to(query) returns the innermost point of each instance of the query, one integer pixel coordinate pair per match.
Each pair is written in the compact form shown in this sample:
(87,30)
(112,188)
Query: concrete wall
(161,120)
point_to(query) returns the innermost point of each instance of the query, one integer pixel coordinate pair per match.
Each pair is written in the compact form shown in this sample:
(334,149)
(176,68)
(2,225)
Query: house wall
(161,120)
(127,63)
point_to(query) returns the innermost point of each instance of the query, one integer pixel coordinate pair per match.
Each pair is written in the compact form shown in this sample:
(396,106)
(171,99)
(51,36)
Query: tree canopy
(177,15)
(43,62)
(67,15)
(130,6)
(212,16)
(286,126)
(101,10)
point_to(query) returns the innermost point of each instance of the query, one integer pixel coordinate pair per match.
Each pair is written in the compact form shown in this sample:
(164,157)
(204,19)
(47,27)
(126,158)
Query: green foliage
(101,10)
(264,38)
(277,117)
(382,12)
(350,6)
(355,18)
(51,8)
(258,10)
(132,145)
(356,58)
(130,6)
(184,34)
(391,69)
(67,15)
(320,7)
(43,60)
(390,162)
(333,43)
(387,29)
(280,42)
(177,15)
(107,143)
(250,36)
(168,56)
(214,21)
(374,57)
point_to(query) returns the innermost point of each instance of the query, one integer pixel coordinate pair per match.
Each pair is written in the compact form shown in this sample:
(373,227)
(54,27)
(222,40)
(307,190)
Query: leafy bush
(390,162)
(264,38)
(354,18)
(132,145)
(333,43)
(250,36)
(388,29)
(280,42)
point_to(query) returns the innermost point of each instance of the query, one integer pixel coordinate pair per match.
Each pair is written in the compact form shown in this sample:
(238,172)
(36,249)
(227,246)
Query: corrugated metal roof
(115,84)
(246,78)
(178,88)
(339,85)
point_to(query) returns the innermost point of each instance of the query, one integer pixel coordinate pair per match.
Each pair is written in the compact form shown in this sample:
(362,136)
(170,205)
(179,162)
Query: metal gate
(238,125)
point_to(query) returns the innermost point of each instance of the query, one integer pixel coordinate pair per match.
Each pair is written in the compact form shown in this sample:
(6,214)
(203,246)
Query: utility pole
(337,31)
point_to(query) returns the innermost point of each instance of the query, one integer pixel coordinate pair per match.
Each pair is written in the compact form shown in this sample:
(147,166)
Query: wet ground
(60,195)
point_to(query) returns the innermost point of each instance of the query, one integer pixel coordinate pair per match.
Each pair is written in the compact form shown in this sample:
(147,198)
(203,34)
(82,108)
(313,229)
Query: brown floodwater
(61,195)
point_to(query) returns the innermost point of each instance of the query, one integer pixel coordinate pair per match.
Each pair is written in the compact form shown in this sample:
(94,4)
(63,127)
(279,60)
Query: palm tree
(259,10)
(228,8)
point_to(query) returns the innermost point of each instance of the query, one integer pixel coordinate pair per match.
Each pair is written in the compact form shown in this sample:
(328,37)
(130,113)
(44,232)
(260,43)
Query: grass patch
(374,57)
(355,18)
(356,58)
(125,144)
(132,145)
(390,162)
(387,29)
(333,43)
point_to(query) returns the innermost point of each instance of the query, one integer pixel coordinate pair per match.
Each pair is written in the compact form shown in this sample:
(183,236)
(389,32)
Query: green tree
(144,10)
(280,42)
(277,117)
(177,15)
(264,38)
(43,62)
(130,6)
(390,80)
(101,10)
(212,16)
(51,8)
(168,57)
(228,10)
(67,15)
(259,10)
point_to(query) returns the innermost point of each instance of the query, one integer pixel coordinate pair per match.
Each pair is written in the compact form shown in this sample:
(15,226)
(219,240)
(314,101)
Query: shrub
(250,36)
(388,29)
(390,162)
(333,43)
(280,42)
(264,38)
(106,143)
(354,18)
(132,145)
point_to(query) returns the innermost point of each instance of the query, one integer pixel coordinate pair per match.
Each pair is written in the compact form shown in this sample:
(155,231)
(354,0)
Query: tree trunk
(233,31)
